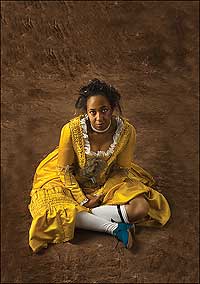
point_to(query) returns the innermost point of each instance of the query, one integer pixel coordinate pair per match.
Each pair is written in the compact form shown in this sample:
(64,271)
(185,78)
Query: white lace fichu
(110,150)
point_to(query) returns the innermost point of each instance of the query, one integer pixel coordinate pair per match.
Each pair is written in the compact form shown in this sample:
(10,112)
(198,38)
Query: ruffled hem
(55,225)
(54,213)
(111,149)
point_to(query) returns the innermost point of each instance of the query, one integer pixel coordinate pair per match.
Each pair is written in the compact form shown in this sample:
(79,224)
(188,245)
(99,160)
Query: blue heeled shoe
(122,233)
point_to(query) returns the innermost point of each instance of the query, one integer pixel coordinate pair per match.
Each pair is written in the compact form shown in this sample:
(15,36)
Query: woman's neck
(101,131)
(109,130)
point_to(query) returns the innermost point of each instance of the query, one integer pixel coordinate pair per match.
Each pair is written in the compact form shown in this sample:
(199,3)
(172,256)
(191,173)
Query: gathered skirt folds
(54,210)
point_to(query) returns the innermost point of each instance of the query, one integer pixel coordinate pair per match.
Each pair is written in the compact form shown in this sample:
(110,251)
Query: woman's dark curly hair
(98,87)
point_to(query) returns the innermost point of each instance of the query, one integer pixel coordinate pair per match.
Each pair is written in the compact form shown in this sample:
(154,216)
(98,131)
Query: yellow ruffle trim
(54,212)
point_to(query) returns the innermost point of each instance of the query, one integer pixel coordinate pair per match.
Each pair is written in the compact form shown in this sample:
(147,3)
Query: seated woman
(89,181)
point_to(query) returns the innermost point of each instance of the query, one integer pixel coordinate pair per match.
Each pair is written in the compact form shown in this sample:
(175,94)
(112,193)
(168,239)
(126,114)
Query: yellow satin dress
(72,170)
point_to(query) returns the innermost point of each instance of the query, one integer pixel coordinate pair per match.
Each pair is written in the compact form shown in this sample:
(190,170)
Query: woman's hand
(93,201)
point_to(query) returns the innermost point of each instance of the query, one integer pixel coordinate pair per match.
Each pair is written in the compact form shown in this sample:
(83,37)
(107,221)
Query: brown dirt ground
(149,51)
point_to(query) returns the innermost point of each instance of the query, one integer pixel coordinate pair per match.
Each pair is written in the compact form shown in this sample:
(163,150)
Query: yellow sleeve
(125,157)
(65,162)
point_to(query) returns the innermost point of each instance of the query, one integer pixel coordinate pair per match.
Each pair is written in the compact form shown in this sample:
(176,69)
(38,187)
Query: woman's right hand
(93,202)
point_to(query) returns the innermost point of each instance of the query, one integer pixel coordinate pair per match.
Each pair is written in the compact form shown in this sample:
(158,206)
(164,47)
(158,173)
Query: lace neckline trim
(112,146)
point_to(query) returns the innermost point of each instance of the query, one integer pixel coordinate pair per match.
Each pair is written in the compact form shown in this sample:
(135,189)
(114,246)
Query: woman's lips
(100,125)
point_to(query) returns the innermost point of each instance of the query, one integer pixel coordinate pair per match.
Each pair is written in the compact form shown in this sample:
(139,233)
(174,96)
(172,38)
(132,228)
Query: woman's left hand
(94,201)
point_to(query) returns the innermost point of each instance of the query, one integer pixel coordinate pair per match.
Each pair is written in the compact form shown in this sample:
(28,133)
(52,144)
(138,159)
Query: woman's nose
(98,116)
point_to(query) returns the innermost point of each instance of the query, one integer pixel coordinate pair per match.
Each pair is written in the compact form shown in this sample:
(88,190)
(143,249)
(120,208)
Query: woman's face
(99,111)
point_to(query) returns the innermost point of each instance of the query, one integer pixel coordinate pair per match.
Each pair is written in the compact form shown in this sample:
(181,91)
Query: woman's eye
(93,112)
(104,110)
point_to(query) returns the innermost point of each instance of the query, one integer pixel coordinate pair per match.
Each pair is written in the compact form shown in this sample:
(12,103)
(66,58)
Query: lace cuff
(84,201)
(62,171)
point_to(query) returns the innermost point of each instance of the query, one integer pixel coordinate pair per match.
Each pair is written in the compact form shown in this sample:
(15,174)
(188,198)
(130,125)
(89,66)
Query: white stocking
(116,213)
(88,221)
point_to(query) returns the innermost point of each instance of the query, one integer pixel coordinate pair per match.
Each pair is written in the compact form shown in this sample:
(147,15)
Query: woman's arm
(125,161)
(65,162)
(125,157)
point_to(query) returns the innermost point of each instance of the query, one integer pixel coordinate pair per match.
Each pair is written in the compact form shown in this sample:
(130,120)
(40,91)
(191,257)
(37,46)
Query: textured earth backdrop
(149,51)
